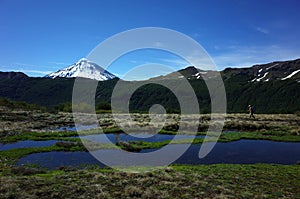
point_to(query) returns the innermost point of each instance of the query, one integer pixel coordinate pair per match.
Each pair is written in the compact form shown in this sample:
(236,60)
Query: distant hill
(283,70)
(258,73)
(13,75)
(42,91)
(272,88)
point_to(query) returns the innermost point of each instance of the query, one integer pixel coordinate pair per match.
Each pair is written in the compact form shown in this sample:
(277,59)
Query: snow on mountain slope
(291,75)
(282,70)
(83,68)
(275,71)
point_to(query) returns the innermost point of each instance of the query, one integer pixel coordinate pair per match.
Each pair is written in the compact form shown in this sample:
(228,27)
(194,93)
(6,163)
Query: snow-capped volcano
(83,68)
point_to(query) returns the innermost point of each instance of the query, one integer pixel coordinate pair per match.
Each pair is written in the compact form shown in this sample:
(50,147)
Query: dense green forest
(269,97)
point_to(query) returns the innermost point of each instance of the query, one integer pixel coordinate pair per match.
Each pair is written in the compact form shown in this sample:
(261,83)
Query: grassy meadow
(175,181)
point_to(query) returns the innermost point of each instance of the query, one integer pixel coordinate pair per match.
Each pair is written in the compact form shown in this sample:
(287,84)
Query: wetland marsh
(39,148)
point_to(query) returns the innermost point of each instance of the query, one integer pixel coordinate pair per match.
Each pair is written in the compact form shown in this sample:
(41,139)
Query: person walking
(251,111)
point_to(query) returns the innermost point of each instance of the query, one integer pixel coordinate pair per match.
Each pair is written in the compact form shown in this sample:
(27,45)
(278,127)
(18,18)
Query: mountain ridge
(273,96)
(279,70)
(13,75)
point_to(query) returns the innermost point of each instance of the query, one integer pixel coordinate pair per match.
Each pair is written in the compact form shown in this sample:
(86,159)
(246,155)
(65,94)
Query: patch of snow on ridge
(291,75)
(262,77)
(198,75)
(272,66)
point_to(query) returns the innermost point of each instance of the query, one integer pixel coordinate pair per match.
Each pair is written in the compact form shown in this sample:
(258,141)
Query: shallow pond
(117,137)
(239,152)
(26,144)
(102,138)
(54,160)
(244,152)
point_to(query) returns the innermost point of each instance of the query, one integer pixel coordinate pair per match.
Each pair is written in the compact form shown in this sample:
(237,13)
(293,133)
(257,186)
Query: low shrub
(26,171)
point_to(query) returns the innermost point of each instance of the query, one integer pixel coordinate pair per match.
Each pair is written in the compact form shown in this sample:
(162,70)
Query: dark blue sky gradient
(42,36)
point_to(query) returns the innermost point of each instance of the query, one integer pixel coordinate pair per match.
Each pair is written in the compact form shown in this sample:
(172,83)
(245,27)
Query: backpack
(253,109)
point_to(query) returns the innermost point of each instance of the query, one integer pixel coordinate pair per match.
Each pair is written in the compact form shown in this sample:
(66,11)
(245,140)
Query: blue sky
(38,37)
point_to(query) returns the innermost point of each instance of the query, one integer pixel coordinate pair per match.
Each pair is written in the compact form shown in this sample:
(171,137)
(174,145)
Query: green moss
(271,135)
(38,136)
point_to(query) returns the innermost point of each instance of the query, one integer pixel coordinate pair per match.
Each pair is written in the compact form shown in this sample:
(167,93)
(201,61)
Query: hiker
(251,111)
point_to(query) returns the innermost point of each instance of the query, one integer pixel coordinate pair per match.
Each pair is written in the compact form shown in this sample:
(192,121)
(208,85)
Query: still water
(238,152)
(26,144)
(102,138)
(113,137)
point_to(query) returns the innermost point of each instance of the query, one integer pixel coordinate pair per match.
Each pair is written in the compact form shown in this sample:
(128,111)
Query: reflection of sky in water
(26,144)
(54,160)
(238,152)
(114,137)
(244,152)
